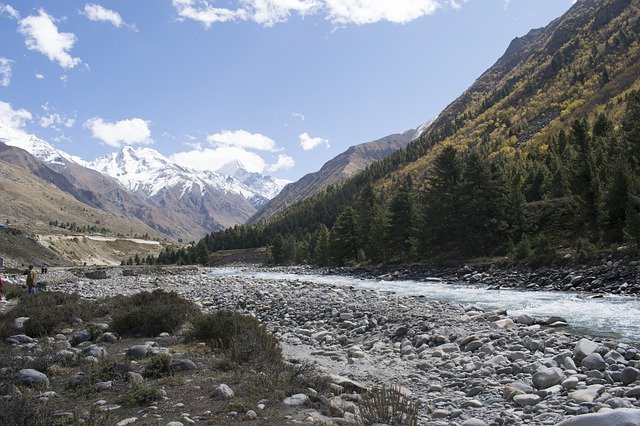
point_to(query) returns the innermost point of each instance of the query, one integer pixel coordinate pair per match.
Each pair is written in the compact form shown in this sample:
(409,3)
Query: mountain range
(177,202)
(144,186)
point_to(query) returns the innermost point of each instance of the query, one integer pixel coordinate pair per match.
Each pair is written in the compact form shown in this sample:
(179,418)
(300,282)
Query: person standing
(1,292)
(32,280)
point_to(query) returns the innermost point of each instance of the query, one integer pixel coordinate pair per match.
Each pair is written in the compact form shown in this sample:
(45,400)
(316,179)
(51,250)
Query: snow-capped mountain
(37,147)
(266,186)
(147,172)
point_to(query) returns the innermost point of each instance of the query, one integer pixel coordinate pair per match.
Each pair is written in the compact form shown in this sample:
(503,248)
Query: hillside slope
(343,166)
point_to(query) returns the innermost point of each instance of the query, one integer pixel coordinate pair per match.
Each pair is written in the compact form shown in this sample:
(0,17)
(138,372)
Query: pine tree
(320,248)
(401,231)
(344,238)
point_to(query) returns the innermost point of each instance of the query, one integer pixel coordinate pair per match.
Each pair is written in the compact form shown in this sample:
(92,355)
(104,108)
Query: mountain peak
(232,168)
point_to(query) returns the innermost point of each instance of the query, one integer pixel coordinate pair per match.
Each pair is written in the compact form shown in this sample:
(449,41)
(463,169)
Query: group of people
(32,280)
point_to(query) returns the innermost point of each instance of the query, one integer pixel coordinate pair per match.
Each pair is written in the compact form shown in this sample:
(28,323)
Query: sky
(280,85)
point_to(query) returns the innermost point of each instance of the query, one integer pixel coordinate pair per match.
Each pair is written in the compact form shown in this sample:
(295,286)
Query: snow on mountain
(146,171)
(263,185)
(37,147)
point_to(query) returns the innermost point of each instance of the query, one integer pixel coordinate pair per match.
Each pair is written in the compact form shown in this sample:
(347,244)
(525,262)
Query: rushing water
(608,316)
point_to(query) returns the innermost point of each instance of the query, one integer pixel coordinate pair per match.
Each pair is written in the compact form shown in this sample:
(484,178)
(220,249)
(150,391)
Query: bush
(138,394)
(388,406)
(106,371)
(149,314)
(49,311)
(584,248)
(522,250)
(243,338)
(157,366)
(21,411)
(542,246)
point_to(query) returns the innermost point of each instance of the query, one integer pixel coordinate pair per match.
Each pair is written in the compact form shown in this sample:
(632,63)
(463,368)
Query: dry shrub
(157,366)
(242,338)
(149,314)
(388,405)
(22,411)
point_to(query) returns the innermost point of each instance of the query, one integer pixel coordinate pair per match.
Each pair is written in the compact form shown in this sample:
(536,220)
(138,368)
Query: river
(610,316)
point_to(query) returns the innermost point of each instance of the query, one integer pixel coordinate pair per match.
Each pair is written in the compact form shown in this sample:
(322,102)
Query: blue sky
(281,85)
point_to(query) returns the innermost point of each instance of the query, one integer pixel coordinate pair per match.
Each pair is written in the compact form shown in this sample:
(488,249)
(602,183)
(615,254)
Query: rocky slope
(336,170)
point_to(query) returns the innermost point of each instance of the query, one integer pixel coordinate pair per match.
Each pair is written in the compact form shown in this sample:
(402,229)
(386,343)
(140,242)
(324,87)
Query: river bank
(465,364)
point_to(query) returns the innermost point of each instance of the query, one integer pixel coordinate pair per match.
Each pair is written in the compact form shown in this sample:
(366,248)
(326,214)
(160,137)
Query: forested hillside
(542,151)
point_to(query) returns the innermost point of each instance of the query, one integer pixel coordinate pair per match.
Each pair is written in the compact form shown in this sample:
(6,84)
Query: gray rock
(587,395)
(525,319)
(138,351)
(629,375)
(100,274)
(107,338)
(296,400)
(18,323)
(80,337)
(182,364)
(620,417)
(223,392)
(33,378)
(584,348)
(547,377)
(134,377)
(473,422)
(594,361)
(526,399)
(95,351)
(19,339)
(251,415)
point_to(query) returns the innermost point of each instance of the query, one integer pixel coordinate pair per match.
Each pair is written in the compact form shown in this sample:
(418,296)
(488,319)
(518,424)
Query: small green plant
(149,314)
(522,250)
(242,338)
(138,394)
(107,370)
(584,248)
(388,406)
(157,366)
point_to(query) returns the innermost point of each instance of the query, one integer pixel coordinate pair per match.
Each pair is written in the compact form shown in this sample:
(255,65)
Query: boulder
(623,416)
(182,364)
(584,348)
(296,400)
(547,377)
(587,395)
(138,351)
(80,337)
(100,274)
(594,361)
(33,378)
(223,392)
(526,399)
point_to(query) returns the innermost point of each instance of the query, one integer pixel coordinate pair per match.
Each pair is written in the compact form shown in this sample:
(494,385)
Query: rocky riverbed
(465,366)
(607,276)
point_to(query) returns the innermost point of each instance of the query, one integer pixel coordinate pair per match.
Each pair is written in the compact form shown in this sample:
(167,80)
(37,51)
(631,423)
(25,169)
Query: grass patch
(138,394)
(149,314)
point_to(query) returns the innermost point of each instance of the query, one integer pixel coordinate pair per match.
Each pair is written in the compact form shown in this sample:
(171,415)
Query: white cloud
(271,12)
(9,11)
(42,35)
(308,143)
(96,12)
(203,12)
(54,119)
(213,158)
(361,12)
(339,12)
(14,118)
(123,132)
(298,115)
(284,163)
(243,139)
(40,76)
(5,71)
